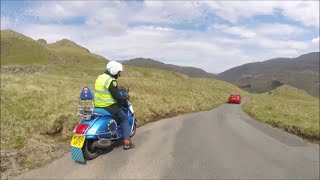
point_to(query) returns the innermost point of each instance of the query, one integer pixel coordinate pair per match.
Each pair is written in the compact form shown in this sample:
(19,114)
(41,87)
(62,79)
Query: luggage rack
(85,109)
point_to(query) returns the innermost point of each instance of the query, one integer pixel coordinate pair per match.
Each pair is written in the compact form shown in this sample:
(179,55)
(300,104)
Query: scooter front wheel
(89,151)
(134,130)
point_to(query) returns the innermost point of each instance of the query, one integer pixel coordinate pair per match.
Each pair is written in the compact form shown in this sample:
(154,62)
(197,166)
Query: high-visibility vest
(102,96)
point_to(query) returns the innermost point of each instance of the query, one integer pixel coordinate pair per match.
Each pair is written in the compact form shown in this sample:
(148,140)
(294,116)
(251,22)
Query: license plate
(77,140)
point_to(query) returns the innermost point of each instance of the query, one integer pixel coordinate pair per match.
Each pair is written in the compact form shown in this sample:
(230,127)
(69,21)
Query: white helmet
(114,67)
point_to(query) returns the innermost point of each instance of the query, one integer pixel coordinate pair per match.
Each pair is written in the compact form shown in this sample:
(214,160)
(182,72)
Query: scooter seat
(101,112)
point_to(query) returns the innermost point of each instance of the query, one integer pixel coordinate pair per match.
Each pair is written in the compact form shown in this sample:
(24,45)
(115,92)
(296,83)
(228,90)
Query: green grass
(17,49)
(67,45)
(39,110)
(42,107)
(46,103)
(289,109)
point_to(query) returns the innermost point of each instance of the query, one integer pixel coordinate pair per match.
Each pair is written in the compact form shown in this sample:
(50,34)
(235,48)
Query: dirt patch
(33,155)
(10,162)
(55,125)
(24,69)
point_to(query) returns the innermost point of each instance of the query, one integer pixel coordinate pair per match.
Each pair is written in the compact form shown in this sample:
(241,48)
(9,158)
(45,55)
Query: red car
(234,98)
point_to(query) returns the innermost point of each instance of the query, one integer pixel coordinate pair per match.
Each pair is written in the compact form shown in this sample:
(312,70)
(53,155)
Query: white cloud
(233,11)
(5,23)
(188,48)
(169,12)
(9,22)
(236,30)
(173,12)
(52,33)
(58,10)
(282,44)
(107,23)
(110,17)
(315,40)
(277,29)
(305,12)
(271,30)
(123,30)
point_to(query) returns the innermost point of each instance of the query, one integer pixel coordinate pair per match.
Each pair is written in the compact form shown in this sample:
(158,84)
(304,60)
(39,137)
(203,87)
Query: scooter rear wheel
(89,152)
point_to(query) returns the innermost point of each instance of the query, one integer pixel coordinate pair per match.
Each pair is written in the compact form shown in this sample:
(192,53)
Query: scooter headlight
(131,109)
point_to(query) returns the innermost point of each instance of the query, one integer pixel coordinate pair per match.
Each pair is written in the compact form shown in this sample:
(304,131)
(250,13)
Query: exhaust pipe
(102,143)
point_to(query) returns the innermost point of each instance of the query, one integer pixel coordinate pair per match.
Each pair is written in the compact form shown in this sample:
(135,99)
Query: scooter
(97,129)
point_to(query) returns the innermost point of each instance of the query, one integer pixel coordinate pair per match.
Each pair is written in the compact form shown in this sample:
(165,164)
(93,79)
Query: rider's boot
(127,144)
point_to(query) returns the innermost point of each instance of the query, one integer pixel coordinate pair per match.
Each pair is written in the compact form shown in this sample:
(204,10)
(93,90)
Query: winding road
(224,143)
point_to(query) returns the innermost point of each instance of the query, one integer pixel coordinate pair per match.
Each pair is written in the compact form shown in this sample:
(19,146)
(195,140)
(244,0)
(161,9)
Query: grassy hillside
(67,45)
(17,49)
(287,108)
(39,108)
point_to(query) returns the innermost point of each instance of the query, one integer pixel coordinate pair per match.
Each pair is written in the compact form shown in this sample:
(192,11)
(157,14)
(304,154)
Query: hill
(66,44)
(18,49)
(39,107)
(287,108)
(301,72)
(150,63)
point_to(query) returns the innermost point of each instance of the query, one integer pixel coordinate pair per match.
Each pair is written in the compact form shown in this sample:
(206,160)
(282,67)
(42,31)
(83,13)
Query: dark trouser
(115,110)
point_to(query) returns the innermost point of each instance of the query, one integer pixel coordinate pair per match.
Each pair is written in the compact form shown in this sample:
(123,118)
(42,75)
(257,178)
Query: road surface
(223,143)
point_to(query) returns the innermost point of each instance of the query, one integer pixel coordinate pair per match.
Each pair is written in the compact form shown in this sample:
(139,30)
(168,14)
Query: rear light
(81,128)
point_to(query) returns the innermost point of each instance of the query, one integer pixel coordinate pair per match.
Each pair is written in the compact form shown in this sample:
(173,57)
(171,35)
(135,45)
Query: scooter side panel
(99,126)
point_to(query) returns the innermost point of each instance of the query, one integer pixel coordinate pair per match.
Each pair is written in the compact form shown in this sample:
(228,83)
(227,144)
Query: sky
(212,35)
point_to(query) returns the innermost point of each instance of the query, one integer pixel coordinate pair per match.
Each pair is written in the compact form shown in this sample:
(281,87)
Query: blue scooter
(97,129)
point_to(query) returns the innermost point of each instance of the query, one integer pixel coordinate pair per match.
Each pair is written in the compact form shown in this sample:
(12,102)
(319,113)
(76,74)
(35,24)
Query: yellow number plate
(77,140)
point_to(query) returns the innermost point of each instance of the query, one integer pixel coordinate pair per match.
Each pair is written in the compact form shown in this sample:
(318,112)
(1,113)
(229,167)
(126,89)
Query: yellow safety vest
(102,96)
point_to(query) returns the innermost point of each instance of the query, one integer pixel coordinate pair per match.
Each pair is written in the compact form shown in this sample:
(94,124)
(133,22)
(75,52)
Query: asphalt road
(223,143)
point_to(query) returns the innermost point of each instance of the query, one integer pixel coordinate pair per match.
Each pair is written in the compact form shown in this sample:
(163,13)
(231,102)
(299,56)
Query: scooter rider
(107,95)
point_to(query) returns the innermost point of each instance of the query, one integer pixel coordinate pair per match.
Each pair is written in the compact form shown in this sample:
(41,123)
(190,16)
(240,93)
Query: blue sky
(212,35)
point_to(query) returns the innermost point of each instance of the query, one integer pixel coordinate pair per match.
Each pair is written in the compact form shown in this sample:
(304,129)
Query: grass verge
(289,109)
(38,109)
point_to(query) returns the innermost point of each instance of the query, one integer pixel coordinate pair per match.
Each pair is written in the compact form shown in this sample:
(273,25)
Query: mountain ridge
(66,43)
(301,72)
(18,49)
(151,63)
